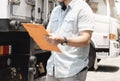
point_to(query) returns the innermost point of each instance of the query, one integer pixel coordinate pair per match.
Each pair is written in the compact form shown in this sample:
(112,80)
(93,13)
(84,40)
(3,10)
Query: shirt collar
(71,4)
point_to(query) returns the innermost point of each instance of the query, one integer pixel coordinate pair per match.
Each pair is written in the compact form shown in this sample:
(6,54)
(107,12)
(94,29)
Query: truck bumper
(114,48)
(113,51)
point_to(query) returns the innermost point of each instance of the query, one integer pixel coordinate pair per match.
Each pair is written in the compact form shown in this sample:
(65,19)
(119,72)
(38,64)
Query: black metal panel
(41,58)
(4,24)
(20,41)
(3,61)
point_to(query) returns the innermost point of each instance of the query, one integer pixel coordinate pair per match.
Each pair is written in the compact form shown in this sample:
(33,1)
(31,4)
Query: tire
(92,57)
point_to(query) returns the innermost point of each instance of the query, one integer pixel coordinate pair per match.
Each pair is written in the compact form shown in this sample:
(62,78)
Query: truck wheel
(92,57)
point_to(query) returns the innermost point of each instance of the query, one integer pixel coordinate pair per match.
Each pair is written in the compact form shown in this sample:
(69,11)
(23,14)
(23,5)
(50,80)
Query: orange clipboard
(38,32)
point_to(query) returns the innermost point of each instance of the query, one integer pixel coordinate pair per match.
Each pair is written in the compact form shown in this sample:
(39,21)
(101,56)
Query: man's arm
(82,40)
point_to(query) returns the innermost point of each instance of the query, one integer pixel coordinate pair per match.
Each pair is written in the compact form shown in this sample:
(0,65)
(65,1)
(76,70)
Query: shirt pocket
(54,21)
(54,24)
(68,25)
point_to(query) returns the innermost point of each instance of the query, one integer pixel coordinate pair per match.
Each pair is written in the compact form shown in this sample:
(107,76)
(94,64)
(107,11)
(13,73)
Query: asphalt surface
(108,70)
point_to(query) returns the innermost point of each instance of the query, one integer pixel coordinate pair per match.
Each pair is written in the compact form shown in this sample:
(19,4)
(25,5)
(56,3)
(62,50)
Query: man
(70,28)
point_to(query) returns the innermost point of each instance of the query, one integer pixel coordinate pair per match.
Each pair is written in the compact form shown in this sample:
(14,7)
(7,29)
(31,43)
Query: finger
(47,38)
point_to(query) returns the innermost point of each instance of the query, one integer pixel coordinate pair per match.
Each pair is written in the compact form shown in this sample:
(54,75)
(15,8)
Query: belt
(85,68)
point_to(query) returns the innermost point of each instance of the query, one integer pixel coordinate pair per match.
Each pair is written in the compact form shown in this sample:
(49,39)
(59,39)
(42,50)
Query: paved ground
(109,70)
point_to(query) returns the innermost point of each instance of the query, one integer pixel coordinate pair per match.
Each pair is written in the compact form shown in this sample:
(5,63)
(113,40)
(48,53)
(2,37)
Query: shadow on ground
(107,68)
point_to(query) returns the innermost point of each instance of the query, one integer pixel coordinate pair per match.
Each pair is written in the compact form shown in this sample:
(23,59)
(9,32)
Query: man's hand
(54,40)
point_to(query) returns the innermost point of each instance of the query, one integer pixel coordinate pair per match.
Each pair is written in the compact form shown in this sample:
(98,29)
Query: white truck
(15,44)
(17,49)
(105,39)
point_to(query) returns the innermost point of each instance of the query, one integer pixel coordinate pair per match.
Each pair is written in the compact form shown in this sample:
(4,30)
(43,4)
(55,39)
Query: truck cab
(105,39)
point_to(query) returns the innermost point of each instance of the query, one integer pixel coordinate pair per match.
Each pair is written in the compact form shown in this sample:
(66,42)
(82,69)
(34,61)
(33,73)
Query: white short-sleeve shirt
(69,23)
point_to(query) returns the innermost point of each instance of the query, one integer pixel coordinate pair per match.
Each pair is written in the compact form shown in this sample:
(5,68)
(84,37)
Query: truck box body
(15,43)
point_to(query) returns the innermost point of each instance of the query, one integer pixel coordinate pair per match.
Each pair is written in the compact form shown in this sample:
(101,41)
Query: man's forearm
(78,41)
(82,40)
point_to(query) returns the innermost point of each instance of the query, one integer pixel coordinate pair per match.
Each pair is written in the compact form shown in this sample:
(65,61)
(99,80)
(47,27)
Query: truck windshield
(98,6)
(105,7)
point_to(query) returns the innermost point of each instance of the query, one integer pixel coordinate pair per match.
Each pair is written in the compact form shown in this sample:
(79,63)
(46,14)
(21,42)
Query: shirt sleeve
(49,23)
(86,19)
(51,17)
